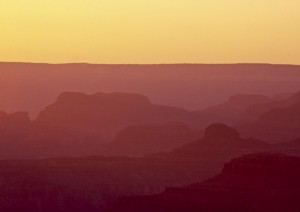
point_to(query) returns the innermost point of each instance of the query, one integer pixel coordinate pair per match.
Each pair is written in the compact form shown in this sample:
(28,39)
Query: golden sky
(150,31)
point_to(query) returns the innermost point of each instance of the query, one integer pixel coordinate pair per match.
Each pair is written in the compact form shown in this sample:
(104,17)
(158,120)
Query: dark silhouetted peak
(273,164)
(222,131)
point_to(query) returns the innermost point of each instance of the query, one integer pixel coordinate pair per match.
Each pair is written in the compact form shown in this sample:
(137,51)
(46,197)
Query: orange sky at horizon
(135,31)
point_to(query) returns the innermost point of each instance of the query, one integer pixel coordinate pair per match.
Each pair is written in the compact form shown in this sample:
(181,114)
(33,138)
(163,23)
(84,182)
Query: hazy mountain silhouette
(93,183)
(21,138)
(169,149)
(145,139)
(284,101)
(219,143)
(281,123)
(192,86)
(257,182)
(102,115)
(77,124)
(235,110)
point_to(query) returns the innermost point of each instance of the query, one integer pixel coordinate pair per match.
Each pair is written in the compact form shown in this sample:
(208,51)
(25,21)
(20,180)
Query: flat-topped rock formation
(104,114)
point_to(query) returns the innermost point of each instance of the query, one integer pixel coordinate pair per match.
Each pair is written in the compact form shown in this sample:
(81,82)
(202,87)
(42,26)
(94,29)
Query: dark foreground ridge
(255,182)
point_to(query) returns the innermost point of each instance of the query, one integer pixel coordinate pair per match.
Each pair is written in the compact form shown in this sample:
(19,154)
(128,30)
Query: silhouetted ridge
(279,122)
(172,84)
(253,183)
(102,115)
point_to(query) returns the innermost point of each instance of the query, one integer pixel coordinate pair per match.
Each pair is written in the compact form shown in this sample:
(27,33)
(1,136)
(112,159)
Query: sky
(150,31)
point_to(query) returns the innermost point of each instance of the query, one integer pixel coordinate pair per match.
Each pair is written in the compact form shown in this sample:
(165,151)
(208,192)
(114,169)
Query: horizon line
(141,64)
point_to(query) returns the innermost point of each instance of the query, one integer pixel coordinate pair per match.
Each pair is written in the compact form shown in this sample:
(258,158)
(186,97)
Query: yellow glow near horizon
(156,31)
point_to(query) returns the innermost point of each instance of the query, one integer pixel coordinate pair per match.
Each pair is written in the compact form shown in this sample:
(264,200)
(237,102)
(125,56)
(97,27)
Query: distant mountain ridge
(29,86)
(79,124)
(235,110)
(105,114)
(279,123)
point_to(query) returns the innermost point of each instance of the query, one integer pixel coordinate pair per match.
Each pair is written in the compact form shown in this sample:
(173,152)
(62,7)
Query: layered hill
(280,123)
(105,114)
(235,110)
(78,124)
(219,143)
(256,182)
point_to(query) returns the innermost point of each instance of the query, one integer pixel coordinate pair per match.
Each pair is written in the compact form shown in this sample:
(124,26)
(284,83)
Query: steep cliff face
(257,182)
